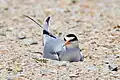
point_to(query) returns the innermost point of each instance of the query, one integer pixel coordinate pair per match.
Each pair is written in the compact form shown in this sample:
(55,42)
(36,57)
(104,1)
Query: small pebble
(73,75)
(112,68)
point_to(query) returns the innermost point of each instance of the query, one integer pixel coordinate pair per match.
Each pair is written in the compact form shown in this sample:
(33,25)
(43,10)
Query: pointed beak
(67,43)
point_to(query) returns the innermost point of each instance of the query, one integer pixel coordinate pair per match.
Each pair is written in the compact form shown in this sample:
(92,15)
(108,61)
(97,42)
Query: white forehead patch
(69,38)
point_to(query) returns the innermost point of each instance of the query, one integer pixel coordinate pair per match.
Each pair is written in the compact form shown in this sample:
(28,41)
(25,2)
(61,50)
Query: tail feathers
(48,19)
(46,32)
(46,24)
(46,28)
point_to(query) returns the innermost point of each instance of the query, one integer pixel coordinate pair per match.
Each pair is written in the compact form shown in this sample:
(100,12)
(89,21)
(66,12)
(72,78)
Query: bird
(52,44)
(73,52)
(67,50)
(58,49)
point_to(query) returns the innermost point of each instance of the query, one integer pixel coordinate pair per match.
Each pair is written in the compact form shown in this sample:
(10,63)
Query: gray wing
(52,47)
(52,44)
(71,54)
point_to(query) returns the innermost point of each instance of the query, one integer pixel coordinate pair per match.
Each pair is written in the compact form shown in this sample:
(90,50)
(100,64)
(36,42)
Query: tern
(73,52)
(58,49)
(52,44)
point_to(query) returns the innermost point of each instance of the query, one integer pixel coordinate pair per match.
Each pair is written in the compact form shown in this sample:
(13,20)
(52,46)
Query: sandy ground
(95,22)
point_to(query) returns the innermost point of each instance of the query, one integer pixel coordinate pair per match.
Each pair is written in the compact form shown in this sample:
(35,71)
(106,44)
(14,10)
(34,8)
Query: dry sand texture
(95,22)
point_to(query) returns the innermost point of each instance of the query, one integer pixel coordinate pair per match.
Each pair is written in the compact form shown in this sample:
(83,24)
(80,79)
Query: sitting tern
(58,49)
(73,52)
(52,44)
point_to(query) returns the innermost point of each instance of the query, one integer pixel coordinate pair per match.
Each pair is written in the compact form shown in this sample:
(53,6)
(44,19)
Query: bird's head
(71,41)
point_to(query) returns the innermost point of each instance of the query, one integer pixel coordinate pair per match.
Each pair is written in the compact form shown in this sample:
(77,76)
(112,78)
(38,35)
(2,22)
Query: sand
(95,22)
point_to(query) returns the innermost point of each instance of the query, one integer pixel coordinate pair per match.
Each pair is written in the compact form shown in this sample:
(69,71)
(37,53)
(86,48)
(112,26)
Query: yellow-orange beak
(67,43)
